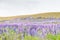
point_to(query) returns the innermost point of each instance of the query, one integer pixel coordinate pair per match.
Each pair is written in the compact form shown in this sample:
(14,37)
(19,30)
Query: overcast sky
(23,7)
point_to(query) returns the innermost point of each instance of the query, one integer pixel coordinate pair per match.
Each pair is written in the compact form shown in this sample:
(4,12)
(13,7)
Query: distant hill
(45,15)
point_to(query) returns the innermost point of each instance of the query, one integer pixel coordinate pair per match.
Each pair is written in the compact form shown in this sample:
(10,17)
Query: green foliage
(31,38)
(58,36)
(53,37)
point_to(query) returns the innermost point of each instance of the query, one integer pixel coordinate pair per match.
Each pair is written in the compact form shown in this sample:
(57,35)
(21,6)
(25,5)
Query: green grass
(31,38)
(53,37)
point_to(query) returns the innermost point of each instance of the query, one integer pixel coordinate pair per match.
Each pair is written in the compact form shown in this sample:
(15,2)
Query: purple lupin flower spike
(33,30)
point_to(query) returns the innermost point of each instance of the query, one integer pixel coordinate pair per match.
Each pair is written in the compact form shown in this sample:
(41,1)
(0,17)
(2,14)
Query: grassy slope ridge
(47,14)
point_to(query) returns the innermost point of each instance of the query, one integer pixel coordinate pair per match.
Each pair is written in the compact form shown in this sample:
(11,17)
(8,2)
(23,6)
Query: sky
(27,7)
